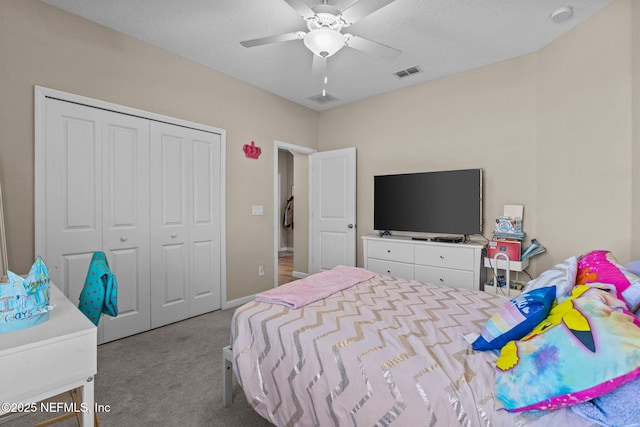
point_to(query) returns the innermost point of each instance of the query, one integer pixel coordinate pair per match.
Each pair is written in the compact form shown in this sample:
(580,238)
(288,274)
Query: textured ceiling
(442,37)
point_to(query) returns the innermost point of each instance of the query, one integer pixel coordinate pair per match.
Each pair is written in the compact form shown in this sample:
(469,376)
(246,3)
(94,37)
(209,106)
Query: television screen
(431,202)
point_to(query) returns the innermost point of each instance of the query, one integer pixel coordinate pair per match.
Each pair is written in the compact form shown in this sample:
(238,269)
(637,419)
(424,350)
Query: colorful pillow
(587,346)
(515,319)
(602,267)
(562,276)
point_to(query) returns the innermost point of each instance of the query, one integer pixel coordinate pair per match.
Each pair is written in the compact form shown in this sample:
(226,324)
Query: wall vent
(408,72)
(320,99)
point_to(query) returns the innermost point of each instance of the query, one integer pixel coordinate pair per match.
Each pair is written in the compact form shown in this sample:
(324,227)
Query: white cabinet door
(185,222)
(96,199)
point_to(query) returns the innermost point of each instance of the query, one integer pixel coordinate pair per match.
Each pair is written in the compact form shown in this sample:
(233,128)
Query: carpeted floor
(170,376)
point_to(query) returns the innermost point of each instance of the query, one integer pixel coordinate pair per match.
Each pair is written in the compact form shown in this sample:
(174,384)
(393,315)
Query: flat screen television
(448,202)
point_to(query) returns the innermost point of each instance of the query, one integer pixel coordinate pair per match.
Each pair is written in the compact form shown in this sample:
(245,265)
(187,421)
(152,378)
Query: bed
(383,351)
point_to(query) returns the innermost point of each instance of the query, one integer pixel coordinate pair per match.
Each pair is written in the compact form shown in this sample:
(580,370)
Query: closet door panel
(126,222)
(170,164)
(146,193)
(73,193)
(205,223)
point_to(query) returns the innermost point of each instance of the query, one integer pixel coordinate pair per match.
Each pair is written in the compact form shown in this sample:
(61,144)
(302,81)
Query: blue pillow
(516,318)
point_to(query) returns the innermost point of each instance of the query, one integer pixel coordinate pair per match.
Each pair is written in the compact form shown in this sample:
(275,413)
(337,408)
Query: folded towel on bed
(315,287)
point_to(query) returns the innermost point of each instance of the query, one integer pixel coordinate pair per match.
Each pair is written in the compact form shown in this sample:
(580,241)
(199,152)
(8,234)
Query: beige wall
(42,45)
(635,110)
(584,143)
(552,131)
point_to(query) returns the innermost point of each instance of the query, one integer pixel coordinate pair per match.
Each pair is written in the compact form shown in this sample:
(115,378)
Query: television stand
(457,265)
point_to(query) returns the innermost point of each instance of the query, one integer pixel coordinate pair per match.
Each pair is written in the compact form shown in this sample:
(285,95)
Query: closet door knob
(123,239)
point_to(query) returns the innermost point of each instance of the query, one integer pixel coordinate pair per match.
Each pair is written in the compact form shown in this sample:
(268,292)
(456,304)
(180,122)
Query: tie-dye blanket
(588,345)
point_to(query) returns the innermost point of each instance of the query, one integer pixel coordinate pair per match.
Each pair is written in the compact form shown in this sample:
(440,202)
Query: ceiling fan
(325,37)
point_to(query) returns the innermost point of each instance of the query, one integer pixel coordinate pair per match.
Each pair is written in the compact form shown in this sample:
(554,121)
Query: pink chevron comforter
(386,351)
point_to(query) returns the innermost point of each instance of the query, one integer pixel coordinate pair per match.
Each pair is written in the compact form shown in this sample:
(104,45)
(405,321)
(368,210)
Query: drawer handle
(441,256)
(388,271)
(174,235)
(388,250)
(441,279)
(123,239)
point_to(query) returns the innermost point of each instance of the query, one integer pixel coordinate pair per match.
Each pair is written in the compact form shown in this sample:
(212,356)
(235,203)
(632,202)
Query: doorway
(291,235)
(286,211)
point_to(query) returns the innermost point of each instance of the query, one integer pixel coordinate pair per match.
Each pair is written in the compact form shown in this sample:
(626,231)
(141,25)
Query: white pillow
(562,275)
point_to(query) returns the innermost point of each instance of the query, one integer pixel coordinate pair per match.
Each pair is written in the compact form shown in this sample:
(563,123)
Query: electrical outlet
(261,270)
(257,210)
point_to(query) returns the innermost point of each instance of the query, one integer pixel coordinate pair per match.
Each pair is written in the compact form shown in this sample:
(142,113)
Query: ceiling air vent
(320,99)
(407,72)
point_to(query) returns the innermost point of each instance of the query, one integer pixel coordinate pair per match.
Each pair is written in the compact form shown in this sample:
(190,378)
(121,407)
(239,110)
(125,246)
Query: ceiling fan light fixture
(324,42)
(561,14)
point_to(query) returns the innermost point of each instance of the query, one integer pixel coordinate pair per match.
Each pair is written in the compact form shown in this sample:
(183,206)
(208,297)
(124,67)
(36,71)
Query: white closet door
(185,222)
(126,222)
(170,163)
(97,168)
(205,223)
(73,194)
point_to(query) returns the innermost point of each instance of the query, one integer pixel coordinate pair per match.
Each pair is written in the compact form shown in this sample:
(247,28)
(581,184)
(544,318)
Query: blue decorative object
(25,302)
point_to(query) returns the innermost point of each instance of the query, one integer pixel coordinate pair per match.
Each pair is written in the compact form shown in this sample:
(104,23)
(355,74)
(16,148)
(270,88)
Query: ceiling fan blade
(362,9)
(371,47)
(301,7)
(298,35)
(319,65)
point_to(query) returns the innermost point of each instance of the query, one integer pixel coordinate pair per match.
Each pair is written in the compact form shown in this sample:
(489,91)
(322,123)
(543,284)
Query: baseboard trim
(299,275)
(238,301)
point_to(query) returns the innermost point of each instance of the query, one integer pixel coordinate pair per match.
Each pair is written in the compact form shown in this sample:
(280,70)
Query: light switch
(257,210)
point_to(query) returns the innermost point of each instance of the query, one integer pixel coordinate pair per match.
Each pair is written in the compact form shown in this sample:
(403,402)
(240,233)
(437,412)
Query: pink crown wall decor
(251,151)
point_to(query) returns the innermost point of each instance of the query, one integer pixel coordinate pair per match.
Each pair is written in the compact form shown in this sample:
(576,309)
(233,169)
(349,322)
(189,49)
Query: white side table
(48,359)
(502,262)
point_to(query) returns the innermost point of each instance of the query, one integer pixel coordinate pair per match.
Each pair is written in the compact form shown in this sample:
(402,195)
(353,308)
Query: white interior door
(96,199)
(333,209)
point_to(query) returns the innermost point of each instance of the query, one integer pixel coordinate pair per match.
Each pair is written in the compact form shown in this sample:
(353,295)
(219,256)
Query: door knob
(350,226)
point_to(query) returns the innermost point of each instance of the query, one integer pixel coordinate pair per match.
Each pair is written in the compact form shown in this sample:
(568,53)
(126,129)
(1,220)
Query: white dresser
(458,265)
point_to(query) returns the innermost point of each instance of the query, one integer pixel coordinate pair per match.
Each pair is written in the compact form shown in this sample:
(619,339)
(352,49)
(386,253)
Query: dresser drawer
(390,268)
(444,277)
(460,258)
(390,251)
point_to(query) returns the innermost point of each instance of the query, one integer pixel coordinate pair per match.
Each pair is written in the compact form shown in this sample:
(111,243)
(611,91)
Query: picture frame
(4,264)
